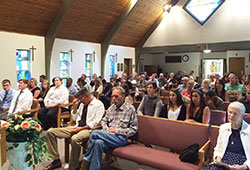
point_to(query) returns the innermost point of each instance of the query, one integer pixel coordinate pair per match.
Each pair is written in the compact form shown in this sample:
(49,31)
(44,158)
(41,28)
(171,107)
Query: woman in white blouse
(176,109)
(98,87)
(57,95)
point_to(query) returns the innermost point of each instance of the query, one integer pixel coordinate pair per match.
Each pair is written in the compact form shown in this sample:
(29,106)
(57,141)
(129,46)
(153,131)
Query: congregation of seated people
(175,96)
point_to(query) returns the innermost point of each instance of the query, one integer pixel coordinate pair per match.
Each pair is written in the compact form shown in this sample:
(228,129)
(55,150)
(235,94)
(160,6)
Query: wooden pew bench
(175,135)
(2,146)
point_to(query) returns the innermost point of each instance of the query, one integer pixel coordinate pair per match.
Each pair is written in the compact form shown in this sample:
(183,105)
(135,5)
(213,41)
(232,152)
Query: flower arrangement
(19,129)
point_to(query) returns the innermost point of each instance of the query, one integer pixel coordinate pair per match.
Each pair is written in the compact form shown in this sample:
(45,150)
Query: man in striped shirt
(119,123)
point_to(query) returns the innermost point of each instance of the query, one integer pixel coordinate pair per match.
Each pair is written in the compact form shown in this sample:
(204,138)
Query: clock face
(185,58)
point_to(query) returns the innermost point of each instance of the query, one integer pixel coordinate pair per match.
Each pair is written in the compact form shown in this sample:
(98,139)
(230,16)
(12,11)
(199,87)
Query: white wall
(231,22)
(194,60)
(80,48)
(192,64)
(78,63)
(122,53)
(217,55)
(9,42)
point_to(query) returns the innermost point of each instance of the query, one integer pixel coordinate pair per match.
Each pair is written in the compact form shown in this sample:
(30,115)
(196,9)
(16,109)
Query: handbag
(190,154)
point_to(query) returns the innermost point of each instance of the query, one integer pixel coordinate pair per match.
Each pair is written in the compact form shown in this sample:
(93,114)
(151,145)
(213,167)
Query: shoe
(85,165)
(53,165)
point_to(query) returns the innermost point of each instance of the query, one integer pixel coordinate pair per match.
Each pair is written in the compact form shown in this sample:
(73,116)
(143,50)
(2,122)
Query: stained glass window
(23,64)
(64,66)
(88,66)
(112,65)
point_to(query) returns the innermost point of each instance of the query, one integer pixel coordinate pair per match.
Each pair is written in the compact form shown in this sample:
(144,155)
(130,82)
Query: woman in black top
(44,91)
(198,111)
(34,89)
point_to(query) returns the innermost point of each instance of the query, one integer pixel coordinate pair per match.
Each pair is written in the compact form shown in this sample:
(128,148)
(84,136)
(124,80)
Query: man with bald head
(183,86)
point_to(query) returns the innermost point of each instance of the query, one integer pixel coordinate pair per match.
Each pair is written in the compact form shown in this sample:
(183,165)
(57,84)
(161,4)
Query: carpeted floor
(119,164)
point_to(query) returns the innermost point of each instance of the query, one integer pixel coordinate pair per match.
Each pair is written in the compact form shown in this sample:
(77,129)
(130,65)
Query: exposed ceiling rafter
(52,32)
(108,38)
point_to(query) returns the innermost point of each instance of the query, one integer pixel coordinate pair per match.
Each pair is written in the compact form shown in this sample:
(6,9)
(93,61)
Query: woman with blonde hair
(98,87)
(205,86)
(35,90)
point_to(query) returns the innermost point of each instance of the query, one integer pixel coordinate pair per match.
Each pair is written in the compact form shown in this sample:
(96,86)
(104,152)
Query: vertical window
(64,66)
(88,66)
(23,64)
(112,59)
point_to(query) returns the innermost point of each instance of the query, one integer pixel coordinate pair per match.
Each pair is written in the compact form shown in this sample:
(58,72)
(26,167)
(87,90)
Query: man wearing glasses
(6,96)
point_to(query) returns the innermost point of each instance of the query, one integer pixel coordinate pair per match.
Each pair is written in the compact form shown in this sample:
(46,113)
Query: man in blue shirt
(6,95)
(70,87)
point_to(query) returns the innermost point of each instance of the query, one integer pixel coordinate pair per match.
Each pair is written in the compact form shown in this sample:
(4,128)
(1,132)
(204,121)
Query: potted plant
(24,134)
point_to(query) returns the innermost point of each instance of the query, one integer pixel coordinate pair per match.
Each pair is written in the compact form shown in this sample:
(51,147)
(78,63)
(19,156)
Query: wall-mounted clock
(185,58)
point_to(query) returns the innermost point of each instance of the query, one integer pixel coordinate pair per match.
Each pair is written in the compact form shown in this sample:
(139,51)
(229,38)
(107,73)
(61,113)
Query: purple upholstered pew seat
(176,135)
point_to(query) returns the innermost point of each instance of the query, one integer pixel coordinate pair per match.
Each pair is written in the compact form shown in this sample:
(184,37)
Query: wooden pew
(246,117)
(218,117)
(172,134)
(3,146)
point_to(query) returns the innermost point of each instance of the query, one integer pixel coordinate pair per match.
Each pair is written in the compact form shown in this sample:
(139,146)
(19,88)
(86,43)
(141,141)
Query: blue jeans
(100,141)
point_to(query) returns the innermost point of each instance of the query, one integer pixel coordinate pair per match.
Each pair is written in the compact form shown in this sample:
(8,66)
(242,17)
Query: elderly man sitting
(119,123)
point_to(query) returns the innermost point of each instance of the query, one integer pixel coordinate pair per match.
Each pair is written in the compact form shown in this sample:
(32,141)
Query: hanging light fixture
(207,50)
(169,5)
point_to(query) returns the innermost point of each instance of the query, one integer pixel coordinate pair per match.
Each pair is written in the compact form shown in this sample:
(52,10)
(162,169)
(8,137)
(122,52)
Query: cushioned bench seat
(153,157)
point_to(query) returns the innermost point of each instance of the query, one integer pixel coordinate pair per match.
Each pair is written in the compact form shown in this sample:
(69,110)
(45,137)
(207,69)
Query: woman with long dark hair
(220,89)
(44,90)
(176,109)
(198,111)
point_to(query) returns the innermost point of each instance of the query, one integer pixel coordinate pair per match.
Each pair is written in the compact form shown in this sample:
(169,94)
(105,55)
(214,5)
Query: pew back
(172,134)
(246,117)
(218,117)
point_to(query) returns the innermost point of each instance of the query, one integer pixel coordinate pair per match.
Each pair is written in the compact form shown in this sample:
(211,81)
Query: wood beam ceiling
(52,32)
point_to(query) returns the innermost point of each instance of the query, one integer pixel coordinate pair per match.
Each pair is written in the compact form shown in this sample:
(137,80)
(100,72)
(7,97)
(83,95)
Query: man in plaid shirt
(119,123)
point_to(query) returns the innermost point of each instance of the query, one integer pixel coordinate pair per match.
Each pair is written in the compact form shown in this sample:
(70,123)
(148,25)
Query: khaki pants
(76,143)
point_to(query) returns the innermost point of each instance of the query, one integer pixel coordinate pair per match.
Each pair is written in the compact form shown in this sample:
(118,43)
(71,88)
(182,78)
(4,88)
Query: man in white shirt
(23,98)
(87,115)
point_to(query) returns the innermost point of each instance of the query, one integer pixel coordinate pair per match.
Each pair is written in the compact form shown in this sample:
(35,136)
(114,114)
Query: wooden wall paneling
(91,20)
(139,22)
(28,17)
(109,36)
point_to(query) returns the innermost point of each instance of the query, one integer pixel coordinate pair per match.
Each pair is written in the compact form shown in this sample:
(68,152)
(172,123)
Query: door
(150,69)
(237,65)
(212,66)
(128,66)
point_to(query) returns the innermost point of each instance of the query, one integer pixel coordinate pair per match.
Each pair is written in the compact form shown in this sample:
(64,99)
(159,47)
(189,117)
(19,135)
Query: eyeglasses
(115,96)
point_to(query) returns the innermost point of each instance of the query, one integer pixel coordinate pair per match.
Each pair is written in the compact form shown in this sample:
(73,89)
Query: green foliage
(19,129)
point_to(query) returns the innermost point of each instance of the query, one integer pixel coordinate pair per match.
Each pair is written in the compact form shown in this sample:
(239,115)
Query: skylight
(202,10)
